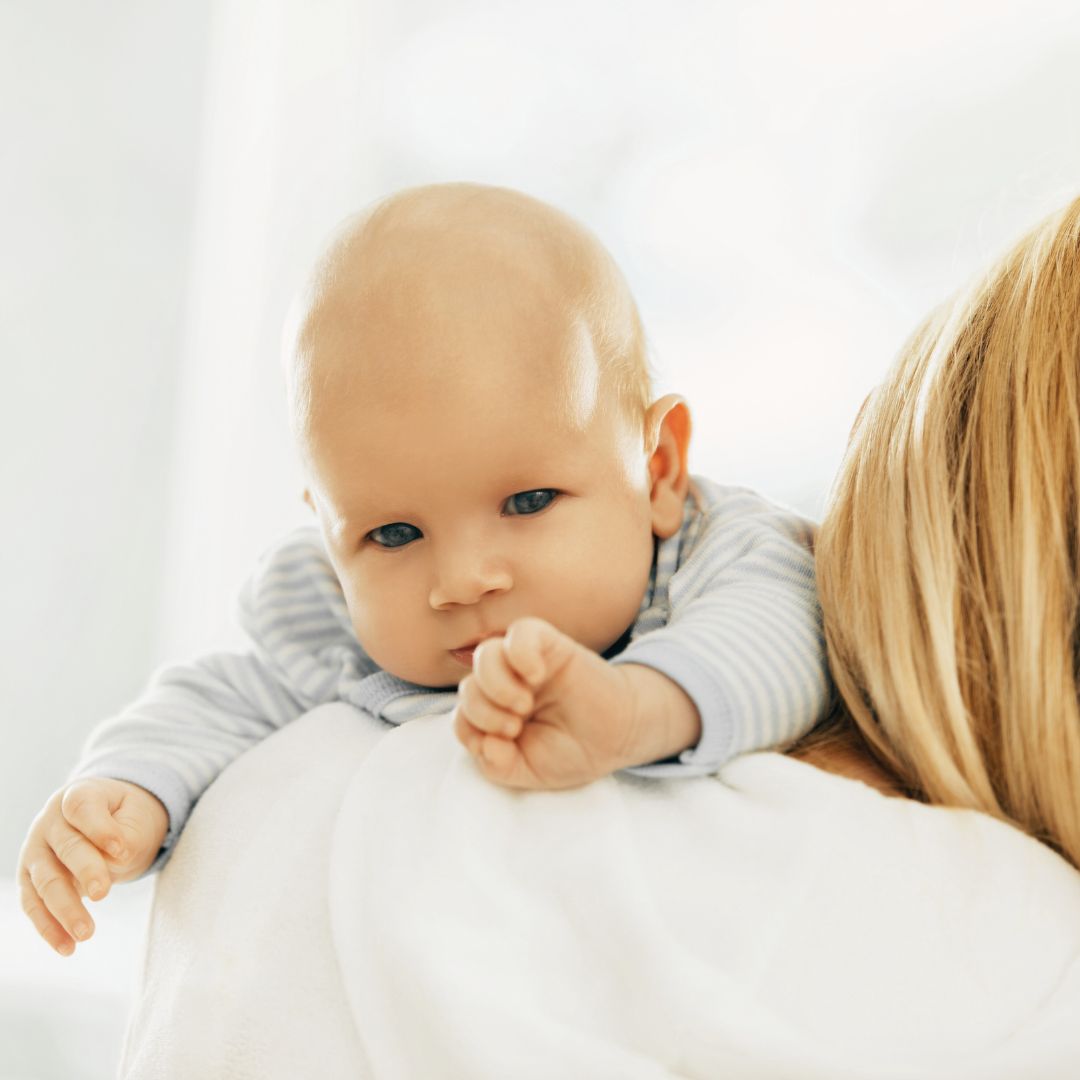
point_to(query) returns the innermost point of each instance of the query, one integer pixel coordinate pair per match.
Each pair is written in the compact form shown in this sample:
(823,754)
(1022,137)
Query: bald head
(409,290)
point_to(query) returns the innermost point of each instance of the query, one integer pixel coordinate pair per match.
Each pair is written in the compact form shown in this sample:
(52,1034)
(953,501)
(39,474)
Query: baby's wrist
(663,719)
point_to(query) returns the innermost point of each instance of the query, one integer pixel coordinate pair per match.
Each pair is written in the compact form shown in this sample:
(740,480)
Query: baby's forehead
(419,335)
(470,365)
(403,444)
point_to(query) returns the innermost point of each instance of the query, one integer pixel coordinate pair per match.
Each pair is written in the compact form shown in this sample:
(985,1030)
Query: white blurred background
(788,186)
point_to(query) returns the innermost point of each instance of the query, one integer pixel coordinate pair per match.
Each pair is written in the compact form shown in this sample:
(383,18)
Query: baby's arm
(743,637)
(196,718)
(193,721)
(163,751)
(140,776)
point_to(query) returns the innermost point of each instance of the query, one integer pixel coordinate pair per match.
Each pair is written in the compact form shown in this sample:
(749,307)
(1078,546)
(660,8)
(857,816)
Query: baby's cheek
(608,595)
(377,631)
(365,614)
(396,637)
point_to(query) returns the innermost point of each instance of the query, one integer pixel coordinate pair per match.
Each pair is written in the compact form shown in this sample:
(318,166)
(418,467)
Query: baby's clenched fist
(542,711)
(88,835)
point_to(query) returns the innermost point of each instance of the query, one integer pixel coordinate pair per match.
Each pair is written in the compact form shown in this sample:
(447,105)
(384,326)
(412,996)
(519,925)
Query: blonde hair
(621,347)
(948,562)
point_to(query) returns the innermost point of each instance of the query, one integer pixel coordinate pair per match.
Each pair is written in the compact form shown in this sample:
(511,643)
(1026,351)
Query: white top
(394,910)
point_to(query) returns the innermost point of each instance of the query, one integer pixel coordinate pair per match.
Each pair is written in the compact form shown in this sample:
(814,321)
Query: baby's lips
(469,647)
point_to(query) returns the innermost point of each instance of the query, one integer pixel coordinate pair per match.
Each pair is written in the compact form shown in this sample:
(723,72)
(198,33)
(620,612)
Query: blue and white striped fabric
(730,614)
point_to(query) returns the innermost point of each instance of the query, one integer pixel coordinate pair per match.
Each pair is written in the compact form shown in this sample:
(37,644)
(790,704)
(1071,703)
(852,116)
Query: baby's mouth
(464,654)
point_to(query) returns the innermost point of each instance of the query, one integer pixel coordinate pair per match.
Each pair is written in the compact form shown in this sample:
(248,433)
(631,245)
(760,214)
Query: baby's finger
(500,683)
(56,887)
(534,649)
(86,863)
(482,713)
(85,805)
(53,933)
(472,738)
(469,736)
(499,760)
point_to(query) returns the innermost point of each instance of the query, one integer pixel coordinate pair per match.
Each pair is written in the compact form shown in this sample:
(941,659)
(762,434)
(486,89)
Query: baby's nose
(467,576)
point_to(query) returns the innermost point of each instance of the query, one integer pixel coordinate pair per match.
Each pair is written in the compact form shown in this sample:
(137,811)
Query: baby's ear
(667,428)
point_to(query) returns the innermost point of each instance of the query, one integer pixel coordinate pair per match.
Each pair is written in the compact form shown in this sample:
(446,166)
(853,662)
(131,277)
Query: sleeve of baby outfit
(744,636)
(195,718)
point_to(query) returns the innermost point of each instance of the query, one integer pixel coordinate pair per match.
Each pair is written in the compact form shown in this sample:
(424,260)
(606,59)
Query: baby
(506,527)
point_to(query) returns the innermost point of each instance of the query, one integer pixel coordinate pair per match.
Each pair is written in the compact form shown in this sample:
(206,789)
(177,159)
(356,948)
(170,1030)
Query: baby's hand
(541,711)
(88,835)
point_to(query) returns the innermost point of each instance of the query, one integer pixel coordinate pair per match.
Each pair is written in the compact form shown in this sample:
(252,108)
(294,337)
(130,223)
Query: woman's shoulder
(846,758)
(967,928)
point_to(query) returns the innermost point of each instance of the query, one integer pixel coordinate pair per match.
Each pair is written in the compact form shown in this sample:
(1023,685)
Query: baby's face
(475,473)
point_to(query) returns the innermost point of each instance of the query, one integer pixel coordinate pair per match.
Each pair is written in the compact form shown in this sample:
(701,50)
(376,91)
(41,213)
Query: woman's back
(775,921)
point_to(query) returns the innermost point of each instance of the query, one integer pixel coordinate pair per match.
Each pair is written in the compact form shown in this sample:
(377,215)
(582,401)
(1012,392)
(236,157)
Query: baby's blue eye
(529,502)
(395,535)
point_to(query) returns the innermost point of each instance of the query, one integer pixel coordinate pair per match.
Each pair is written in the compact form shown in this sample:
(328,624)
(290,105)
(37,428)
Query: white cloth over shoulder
(358,899)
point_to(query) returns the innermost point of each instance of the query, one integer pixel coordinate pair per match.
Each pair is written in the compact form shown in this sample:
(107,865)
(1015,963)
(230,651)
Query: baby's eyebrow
(365,516)
(338,528)
(340,520)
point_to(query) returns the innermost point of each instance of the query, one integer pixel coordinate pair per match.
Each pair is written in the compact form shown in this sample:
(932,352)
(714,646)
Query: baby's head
(469,391)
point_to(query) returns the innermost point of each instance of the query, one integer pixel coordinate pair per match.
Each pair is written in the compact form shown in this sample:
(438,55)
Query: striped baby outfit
(730,614)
